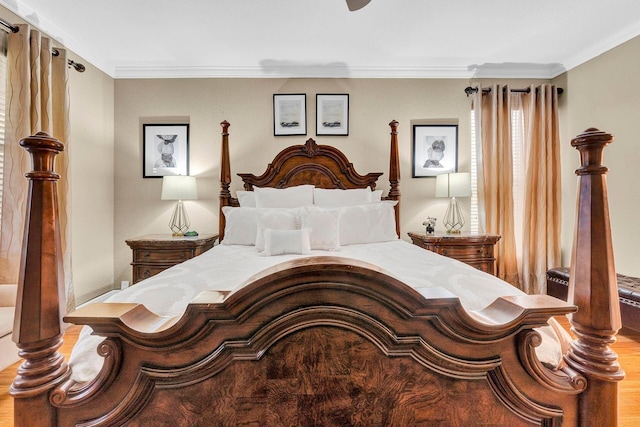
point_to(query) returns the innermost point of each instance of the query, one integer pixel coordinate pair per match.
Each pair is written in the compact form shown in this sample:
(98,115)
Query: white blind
(475,220)
(3,93)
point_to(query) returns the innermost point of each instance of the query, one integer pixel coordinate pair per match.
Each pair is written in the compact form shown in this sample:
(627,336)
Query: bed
(351,336)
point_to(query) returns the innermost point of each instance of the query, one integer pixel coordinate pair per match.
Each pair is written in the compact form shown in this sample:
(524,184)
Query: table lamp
(179,187)
(453,185)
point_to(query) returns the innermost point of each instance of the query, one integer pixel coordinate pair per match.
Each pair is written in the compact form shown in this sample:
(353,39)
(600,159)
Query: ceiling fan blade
(356,4)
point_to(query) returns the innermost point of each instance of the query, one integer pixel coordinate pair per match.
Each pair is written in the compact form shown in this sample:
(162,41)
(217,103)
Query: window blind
(3,93)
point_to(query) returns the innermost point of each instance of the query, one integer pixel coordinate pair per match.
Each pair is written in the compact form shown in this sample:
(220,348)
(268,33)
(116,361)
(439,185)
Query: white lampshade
(179,187)
(456,184)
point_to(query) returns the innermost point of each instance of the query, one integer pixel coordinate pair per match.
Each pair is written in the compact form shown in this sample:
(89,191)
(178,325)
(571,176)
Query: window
(3,92)
(517,146)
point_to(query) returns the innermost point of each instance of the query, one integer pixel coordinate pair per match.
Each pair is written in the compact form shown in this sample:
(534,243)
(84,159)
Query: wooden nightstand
(473,249)
(157,252)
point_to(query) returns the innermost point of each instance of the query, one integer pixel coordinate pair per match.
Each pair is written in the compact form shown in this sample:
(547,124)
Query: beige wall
(91,167)
(601,93)
(247,105)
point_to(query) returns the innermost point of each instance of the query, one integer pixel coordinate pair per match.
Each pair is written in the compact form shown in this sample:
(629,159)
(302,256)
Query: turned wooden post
(40,304)
(593,287)
(394,172)
(225,177)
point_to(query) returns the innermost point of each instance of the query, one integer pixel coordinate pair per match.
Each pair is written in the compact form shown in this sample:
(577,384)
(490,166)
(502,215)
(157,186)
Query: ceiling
(322,38)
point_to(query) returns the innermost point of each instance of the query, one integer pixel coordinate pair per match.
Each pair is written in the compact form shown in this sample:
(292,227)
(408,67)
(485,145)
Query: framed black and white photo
(332,114)
(290,114)
(165,150)
(435,150)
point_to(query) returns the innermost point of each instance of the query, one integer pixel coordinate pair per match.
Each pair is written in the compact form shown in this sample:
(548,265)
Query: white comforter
(227,267)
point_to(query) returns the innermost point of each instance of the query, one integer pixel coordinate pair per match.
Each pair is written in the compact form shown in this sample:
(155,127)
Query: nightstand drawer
(145,271)
(155,253)
(464,251)
(164,255)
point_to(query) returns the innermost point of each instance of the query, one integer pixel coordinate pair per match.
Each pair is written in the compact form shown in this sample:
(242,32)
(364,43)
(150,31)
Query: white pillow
(336,197)
(278,219)
(241,225)
(292,197)
(280,242)
(324,228)
(373,222)
(376,196)
(247,199)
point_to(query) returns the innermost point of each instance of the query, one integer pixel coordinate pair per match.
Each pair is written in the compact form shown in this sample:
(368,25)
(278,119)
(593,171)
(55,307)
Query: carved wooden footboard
(322,341)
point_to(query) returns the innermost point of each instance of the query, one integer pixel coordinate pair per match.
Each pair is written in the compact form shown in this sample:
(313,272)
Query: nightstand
(157,252)
(473,249)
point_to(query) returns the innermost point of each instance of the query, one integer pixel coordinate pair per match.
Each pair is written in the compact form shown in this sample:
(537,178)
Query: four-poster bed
(321,340)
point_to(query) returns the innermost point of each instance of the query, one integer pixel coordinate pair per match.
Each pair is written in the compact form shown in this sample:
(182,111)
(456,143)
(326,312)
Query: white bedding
(227,267)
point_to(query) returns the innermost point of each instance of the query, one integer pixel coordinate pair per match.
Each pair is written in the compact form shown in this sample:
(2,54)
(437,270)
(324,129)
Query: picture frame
(290,114)
(332,114)
(165,150)
(435,150)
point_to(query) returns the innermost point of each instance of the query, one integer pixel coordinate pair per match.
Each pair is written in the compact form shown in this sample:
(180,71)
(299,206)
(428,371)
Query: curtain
(542,219)
(519,186)
(495,177)
(37,100)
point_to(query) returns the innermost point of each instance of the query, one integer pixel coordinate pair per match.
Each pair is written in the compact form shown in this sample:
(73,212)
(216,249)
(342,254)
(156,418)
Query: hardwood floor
(627,347)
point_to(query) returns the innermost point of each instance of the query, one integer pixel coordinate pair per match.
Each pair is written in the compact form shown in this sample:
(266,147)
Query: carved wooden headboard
(323,166)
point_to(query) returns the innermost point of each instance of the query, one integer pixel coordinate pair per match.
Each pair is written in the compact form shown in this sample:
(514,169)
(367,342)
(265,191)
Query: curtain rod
(470,90)
(76,65)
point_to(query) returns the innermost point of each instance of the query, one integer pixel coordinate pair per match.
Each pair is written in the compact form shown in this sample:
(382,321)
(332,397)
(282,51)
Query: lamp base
(179,222)
(453,219)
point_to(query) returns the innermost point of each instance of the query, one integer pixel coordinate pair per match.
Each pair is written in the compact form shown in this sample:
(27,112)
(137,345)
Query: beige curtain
(37,100)
(495,176)
(526,250)
(542,218)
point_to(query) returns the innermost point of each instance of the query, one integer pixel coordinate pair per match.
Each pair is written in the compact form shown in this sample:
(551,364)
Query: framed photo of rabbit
(165,150)
(435,150)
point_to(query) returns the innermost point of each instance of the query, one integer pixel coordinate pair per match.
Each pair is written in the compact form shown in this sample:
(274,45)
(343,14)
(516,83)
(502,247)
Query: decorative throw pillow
(276,219)
(241,225)
(370,223)
(324,226)
(280,242)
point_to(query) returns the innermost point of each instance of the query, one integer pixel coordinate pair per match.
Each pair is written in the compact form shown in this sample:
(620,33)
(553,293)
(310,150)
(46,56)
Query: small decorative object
(435,150)
(290,114)
(453,185)
(179,188)
(165,150)
(332,114)
(430,223)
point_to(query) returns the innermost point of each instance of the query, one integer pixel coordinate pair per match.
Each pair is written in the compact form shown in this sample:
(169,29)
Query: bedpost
(593,287)
(40,303)
(225,177)
(394,172)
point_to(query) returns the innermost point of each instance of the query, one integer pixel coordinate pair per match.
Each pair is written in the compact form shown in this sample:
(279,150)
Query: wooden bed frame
(321,341)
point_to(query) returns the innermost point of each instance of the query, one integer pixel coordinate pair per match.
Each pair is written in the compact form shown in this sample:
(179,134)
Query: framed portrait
(332,114)
(165,150)
(290,114)
(435,150)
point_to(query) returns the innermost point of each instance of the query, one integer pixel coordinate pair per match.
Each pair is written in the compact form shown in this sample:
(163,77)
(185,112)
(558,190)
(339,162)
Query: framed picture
(332,114)
(435,150)
(165,150)
(290,114)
